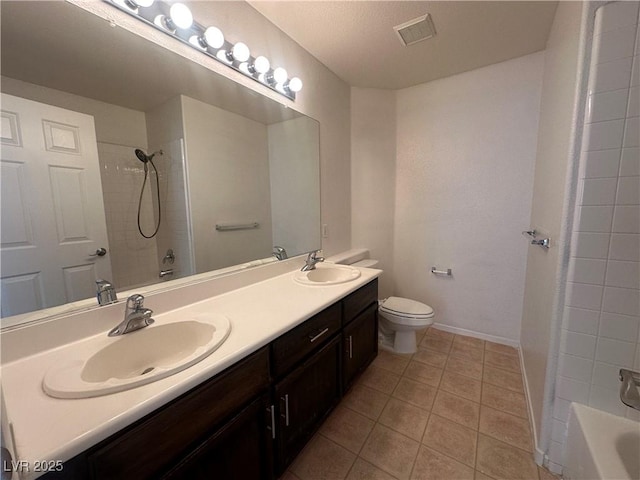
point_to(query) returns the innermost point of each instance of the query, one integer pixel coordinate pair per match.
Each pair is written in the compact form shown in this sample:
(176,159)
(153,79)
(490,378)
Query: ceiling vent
(415,30)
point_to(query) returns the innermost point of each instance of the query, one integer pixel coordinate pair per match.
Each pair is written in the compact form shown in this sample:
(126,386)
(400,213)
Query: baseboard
(472,333)
(538,455)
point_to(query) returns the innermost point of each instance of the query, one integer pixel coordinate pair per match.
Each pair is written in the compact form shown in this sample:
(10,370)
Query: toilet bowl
(400,318)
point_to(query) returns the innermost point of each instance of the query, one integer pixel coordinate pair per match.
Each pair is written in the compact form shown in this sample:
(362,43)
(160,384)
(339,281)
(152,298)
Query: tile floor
(453,410)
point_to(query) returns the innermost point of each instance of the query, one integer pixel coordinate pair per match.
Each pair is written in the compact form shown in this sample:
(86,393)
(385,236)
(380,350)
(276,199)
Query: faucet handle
(313,255)
(105,292)
(135,301)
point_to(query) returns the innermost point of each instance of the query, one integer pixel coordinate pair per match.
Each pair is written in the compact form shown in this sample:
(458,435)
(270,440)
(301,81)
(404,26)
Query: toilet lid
(405,307)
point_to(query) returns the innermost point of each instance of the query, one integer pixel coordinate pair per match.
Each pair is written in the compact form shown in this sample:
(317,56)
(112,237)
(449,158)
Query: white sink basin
(327,274)
(137,358)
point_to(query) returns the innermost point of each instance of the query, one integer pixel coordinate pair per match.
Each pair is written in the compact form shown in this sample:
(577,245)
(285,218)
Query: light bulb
(280,75)
(223,56)
(261,64)
(295,84)
(214,37)
(181,15)
(240,52)
(144,3)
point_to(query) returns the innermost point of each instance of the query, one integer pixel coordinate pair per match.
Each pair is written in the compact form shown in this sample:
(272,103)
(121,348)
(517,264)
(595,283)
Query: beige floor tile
(379,379)
(464,366)
(506,427)
(500,360)
(404,418)
(462,386)
(421,372)
(545,474)
(415,393)
(432,465)
(347,428)
(437,343)
(391,362)
(430,357)
(481,476)
(467,352)
(502,461)
(504,400)
(458,409)
(390,451)
(322,459)
(499,348)
(435,332)
(502,378)
(366,401)
(451,439)
(420,335)
(465,341)
(362,470)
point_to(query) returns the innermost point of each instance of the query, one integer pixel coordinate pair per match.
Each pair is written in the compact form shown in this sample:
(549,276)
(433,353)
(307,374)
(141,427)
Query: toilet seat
(406,309)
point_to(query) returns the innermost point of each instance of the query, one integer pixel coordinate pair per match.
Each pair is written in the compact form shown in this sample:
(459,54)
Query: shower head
(143,157)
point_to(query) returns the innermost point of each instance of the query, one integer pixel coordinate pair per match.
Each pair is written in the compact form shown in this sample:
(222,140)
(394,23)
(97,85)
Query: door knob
(101,252)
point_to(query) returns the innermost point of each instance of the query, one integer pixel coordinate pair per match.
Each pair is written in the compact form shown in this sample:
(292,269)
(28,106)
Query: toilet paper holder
(533,236)
(446,272)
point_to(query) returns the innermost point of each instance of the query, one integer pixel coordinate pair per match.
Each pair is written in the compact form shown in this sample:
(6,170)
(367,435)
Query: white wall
(231,155)
(465,157)
(373,177)
(601,322)
(294,168)
(557,120)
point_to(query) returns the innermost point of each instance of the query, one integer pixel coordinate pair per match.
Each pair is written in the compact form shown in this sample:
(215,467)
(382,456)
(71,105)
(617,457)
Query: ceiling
(356,39)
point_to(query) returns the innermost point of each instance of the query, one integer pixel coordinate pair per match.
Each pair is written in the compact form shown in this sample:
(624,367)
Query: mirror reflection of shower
(146,160)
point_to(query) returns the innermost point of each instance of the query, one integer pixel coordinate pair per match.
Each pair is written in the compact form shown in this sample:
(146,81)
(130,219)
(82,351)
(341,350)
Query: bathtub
(601,446)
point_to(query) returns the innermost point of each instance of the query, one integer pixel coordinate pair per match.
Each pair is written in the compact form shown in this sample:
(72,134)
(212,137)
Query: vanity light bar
(177,21)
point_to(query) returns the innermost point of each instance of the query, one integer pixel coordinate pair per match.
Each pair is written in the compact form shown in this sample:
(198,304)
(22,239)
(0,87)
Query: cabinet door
(242,448)
(360,344)
(304,398)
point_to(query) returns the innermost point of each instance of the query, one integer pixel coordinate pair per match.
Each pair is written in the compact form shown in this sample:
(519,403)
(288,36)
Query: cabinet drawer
(153,444)
(359,300)
(292,347)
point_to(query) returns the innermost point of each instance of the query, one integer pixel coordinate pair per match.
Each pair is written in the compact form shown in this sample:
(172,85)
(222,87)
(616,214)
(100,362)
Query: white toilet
(399,318)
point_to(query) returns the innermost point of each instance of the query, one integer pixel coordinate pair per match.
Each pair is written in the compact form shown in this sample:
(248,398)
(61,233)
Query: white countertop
(47,428)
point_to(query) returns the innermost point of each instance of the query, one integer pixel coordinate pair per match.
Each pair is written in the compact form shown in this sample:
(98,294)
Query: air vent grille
(415,30)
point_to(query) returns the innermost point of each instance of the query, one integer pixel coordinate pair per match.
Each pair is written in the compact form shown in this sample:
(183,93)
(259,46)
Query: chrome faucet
(280,253)
(312,259)
(135,316)
(105,292)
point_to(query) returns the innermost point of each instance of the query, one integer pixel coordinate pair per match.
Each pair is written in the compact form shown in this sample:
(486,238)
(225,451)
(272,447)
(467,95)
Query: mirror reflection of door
(53,220)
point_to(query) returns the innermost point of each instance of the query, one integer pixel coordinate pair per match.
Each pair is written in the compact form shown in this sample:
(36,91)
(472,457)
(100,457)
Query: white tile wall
(601,322)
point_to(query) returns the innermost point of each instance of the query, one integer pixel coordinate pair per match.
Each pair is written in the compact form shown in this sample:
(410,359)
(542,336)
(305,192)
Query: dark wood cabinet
(304,398)
(242,448)
(252,419)
(360,344)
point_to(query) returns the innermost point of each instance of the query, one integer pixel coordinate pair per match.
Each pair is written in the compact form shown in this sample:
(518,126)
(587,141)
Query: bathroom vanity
(247,420)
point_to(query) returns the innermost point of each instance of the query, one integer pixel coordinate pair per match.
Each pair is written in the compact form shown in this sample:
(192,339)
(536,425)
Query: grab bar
(240,226)
(629,389)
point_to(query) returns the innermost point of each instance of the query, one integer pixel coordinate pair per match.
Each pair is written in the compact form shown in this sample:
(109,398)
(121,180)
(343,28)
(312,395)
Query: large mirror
(124,161)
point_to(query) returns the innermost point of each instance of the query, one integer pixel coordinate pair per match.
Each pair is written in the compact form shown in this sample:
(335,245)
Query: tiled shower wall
(601,323)
(134,259)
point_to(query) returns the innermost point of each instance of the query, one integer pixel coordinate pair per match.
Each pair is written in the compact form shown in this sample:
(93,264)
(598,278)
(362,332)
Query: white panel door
(53,219)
